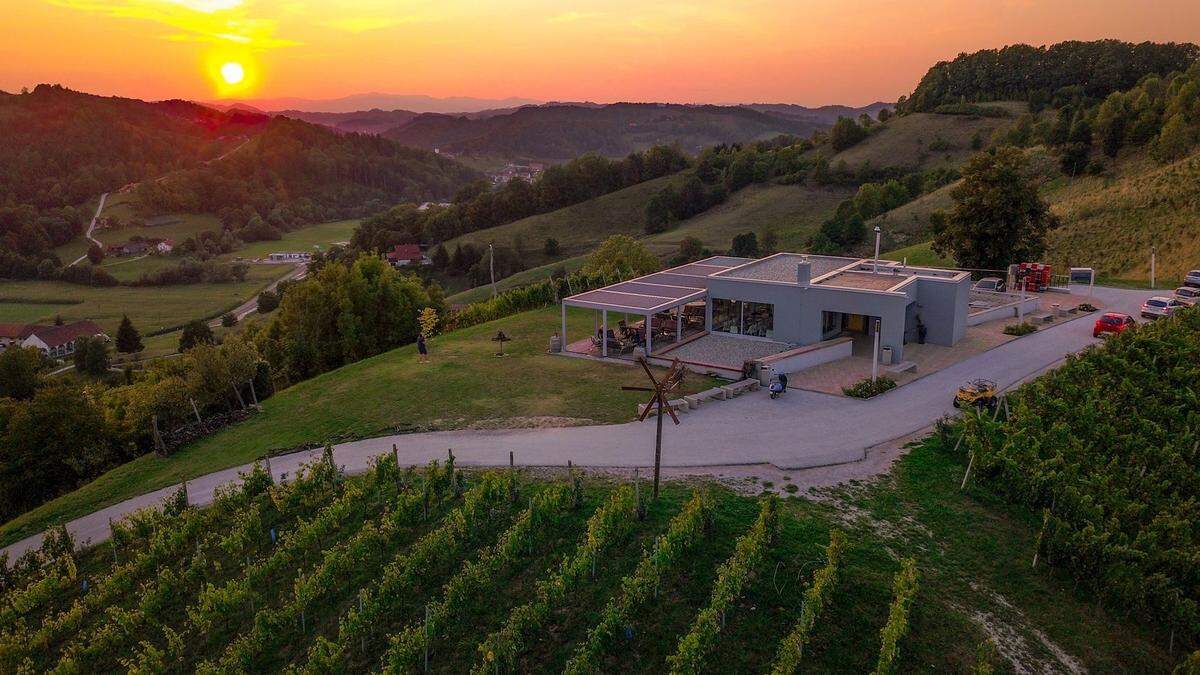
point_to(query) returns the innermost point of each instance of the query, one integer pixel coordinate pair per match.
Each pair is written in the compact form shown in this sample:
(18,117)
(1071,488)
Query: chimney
(803,272)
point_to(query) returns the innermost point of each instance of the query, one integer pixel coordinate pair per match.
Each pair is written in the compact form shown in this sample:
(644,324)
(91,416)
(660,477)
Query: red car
(1112,322)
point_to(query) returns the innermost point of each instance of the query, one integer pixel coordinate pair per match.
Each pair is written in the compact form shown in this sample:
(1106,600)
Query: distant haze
(377,101)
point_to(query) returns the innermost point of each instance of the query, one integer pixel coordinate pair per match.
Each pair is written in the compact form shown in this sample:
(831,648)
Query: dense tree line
(58,433)
(478,206)
(343,311)
(847,227)
(1042,74)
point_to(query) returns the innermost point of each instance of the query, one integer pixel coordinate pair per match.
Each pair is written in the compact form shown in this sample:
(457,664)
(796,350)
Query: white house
(59,341)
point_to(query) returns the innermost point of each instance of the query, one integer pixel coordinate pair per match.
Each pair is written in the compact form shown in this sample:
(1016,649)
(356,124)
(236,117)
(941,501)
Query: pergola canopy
(655,292)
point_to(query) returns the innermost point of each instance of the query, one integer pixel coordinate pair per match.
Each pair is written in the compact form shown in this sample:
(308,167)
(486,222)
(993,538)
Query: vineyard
(1106,450)
(405,570)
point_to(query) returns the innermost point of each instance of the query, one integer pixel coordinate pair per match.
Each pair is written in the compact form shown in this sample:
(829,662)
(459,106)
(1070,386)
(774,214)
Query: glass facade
(756,319)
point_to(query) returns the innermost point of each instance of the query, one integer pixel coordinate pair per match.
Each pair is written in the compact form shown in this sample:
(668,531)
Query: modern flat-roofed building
(795,300)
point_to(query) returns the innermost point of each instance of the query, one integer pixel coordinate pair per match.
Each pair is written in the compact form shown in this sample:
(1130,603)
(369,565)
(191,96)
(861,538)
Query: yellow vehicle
(978,392)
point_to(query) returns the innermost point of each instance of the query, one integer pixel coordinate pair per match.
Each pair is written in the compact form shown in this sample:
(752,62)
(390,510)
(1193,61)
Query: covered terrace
(669,305)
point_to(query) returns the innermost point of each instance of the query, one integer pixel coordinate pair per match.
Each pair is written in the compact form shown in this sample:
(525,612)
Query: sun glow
(232,72)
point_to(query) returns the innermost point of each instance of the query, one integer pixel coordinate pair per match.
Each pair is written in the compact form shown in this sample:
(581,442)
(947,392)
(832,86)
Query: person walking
(422,350)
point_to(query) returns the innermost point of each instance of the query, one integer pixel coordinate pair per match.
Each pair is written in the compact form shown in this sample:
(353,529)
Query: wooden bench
(679,405)
(738,388)
(694,400)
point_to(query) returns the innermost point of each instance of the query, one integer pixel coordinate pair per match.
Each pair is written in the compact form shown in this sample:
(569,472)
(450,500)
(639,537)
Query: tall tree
(129,341)
(195,333)
(19,368)
(998,217)
(91,356)
(624,255)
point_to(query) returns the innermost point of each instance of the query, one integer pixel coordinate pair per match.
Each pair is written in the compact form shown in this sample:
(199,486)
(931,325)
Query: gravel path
(799,431)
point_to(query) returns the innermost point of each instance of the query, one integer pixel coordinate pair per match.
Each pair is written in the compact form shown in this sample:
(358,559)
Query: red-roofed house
(11,333)
(407,254)
(59,341)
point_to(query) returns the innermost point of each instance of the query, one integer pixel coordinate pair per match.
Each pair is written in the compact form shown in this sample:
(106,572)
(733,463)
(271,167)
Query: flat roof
(864,280)
(782,267)
(658,291)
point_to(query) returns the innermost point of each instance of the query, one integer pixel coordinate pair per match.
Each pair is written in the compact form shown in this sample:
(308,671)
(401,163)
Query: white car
(1192,279)
(1187,295)
(1160,306)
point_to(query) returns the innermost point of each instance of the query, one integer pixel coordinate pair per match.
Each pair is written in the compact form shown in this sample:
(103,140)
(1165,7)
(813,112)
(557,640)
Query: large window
(756,319)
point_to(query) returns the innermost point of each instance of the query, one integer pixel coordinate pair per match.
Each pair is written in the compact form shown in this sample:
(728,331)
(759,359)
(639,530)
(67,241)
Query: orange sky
(801,51)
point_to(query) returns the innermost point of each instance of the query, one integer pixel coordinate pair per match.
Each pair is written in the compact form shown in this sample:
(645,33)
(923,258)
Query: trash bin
(885,356)
(555,343)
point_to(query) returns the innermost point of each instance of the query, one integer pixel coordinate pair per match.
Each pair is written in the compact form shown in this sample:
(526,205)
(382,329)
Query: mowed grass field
(357,569)
(919,254)
(150,308)
(464,385)
(312,238)
(794,212)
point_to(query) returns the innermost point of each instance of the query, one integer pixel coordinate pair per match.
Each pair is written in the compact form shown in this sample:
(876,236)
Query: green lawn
(313,237)
(150,308)
(464,384)
(523,278)
(919,254)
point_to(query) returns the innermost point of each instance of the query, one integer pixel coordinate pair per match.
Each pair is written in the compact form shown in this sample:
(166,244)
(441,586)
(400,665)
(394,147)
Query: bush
(865,388)
(228,320)
(268,301)
(1019,329)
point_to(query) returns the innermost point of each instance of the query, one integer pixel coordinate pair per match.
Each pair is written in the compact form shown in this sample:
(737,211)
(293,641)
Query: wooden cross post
(658,402)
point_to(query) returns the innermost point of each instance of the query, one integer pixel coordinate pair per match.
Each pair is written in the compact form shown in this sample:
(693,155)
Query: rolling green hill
(1110,223)
(922,141)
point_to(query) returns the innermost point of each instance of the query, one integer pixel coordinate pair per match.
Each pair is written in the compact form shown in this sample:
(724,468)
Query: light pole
(492,267)
(875,356)
(1152,267)
(875,267)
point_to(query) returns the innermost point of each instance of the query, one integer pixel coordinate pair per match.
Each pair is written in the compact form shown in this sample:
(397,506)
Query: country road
(802,430)
(251,305)
(91,228)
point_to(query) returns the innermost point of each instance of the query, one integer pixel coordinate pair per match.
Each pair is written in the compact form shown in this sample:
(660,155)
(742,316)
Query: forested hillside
(561,132)
(1044,75)
(262,176)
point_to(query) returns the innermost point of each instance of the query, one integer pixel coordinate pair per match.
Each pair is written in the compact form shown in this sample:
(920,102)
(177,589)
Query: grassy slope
(1110,222)
(578,228)
(795,212)
(320,236)
(904,141)
(919,254)
(464,384)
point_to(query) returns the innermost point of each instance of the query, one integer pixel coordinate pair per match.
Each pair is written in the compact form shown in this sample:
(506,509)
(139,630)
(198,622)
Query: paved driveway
(801,429)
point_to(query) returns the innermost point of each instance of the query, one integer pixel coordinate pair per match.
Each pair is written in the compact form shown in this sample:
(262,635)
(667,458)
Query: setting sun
(233,73)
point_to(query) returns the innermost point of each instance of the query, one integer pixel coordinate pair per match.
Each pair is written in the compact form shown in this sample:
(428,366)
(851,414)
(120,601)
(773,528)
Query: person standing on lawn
(422,350)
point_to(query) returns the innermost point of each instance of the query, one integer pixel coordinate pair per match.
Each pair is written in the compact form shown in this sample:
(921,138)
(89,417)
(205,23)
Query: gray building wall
(942,306)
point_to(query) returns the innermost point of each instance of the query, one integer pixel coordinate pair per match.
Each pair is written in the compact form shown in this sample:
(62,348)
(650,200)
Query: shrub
(865,388)
(228,320)
(1019,329)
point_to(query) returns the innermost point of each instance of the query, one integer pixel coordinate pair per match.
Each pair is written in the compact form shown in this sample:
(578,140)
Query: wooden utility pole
(658,402)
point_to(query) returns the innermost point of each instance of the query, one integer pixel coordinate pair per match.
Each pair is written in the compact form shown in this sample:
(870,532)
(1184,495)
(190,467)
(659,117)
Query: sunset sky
(797,51)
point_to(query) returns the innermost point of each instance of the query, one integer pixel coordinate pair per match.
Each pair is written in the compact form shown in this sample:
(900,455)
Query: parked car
(1187,295)
(993,284)
(1192,279)
(1111,323)
(1160,306)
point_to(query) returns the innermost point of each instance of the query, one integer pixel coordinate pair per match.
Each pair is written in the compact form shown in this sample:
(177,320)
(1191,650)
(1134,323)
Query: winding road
(92,228)
(803,429)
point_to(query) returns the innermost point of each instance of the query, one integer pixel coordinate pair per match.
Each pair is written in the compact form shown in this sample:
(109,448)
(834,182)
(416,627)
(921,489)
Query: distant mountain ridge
(554,132)
(354,103)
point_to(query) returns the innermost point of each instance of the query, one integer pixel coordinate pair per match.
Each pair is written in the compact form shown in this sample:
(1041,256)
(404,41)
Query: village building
(404,255)
(290,256)
(53,340)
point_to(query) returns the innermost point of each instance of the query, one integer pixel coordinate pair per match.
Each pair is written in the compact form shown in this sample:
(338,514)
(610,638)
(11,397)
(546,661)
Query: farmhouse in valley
(404,255)
(53,340)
